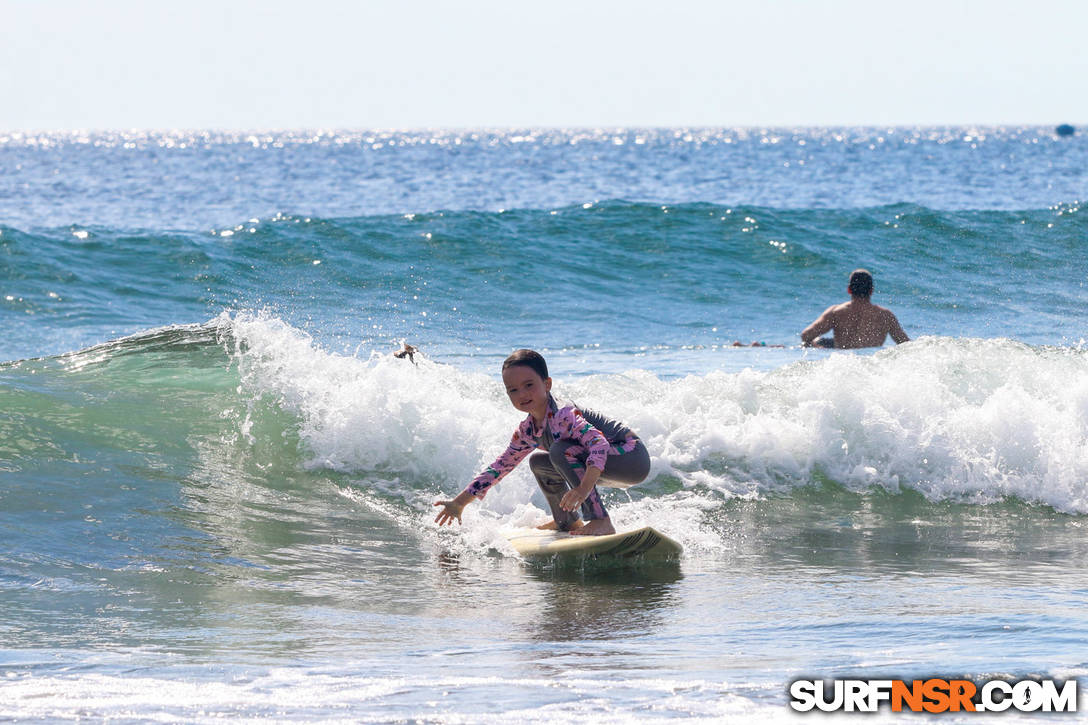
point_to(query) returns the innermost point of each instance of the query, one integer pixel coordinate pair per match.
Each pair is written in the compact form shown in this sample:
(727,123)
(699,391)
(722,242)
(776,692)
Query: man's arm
(823,324)
(896,331)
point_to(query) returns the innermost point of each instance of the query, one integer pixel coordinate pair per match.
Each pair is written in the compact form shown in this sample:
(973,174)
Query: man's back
(857,323)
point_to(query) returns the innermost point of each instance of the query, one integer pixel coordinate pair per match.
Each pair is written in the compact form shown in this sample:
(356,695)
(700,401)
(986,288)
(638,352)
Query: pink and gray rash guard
(595,434)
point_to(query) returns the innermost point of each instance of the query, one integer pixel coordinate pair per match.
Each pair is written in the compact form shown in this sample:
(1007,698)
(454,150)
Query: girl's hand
(450,510)
(573,498)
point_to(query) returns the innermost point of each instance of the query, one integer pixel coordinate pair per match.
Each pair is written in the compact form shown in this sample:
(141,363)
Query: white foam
(424,420)
(317,695)
(967,420)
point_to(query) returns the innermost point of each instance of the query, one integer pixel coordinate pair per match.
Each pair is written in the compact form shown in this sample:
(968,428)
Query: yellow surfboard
(646,543)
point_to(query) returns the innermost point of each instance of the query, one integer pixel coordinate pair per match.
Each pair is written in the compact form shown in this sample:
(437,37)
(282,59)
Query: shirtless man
(857,323)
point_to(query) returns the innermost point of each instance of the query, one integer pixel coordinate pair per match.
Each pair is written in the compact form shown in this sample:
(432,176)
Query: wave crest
(965,420)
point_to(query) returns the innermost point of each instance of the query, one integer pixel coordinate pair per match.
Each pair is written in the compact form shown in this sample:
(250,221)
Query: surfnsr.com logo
(934,695)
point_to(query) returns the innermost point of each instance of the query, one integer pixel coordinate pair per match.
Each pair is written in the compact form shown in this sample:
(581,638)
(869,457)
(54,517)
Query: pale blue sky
(275,64)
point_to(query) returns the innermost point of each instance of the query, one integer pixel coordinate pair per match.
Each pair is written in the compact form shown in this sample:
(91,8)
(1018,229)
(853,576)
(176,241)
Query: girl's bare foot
(596,527)
(552,526)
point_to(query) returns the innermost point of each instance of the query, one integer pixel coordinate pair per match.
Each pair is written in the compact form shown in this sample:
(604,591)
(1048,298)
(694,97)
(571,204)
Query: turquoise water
(647,275)
(216,484)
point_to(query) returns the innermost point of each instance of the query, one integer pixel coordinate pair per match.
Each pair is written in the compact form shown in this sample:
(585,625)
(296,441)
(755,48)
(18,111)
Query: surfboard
(646,543)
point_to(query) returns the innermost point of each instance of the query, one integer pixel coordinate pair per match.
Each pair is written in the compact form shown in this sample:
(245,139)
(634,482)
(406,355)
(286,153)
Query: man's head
(861,283)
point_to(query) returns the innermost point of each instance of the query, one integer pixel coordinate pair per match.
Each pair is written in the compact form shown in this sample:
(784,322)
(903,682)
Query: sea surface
(216,483)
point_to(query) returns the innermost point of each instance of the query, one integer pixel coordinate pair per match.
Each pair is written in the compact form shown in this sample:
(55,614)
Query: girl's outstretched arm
(520,446)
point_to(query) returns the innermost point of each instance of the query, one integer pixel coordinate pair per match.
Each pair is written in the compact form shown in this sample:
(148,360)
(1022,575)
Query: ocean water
(216,483)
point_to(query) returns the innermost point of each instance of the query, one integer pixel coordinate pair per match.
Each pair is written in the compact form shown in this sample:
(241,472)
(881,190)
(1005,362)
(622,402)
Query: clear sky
(274,64)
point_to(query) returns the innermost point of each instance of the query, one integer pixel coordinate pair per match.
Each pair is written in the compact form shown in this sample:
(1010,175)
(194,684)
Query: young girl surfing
(578,450)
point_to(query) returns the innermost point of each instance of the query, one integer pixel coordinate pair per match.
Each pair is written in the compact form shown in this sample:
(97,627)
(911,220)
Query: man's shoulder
(837,308)
(884,312)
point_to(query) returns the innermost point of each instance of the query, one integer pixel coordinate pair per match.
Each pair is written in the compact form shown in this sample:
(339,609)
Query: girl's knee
(539,461)
(558,458)
(567,453)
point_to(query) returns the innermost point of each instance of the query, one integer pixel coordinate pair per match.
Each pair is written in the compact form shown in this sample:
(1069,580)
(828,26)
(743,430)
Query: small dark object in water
(407,351)
(1065,130)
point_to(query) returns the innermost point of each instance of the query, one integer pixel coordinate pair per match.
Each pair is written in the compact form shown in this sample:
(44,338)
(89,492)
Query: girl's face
(528,391)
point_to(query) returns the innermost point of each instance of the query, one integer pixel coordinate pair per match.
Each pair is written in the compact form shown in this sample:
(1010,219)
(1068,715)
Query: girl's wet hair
(528,358)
